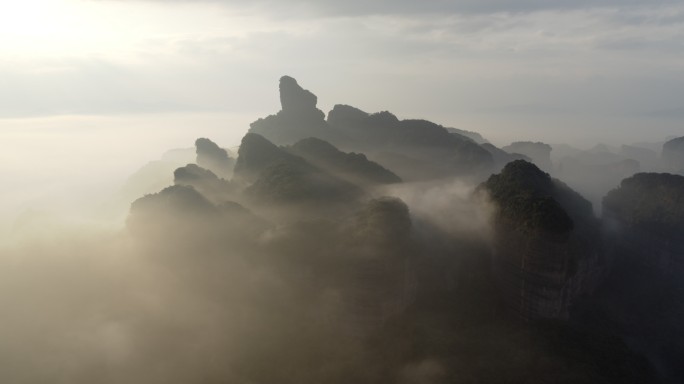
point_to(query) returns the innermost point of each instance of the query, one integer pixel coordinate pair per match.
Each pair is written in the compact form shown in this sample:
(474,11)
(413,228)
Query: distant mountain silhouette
(540,153)
(502,157)
(205,182)
(673,154)
(474,136)
(182,213)
(214,158)
(430,148)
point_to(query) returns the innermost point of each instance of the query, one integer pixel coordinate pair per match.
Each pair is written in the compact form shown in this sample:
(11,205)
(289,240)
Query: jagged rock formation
(540,153)
(546,242)
(673,154)
(354,167)
(423,149)
(214,158)
(205,182)
(298,119)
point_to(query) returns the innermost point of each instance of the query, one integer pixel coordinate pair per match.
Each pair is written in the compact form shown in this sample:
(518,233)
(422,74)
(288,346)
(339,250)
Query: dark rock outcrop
(540,153)
(294,98)
(298,119)
(546,242)
(214,158)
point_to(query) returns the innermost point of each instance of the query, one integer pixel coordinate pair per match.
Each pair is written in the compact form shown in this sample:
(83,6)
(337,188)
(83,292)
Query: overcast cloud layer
(562,71)
(393,7)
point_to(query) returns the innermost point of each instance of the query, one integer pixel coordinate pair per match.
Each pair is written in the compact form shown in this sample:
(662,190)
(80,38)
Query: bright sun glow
(30,17)
(31,29)
(30,26)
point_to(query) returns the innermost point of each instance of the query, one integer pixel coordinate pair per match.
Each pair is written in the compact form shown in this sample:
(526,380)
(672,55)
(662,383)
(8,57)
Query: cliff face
(540,276)
(546,242)
(644,225)
(377,272)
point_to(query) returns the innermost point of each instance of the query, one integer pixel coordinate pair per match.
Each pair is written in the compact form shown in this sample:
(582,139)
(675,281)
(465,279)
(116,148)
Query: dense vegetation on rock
(530,197)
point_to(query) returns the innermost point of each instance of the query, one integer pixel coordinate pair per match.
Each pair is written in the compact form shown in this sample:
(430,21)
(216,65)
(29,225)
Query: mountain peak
(294,97)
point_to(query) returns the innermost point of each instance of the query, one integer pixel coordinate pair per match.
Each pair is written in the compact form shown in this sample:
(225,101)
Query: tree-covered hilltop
(654,201)
(530,197)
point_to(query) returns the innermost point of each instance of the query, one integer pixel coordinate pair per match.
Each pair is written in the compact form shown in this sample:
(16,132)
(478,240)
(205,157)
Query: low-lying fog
(70,165)
(87,299)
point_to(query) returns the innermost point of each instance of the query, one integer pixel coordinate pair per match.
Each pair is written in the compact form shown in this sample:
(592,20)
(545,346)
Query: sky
(574,71)
(103,86)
